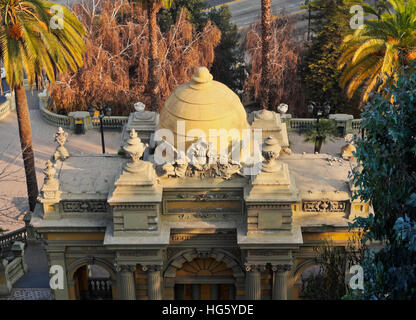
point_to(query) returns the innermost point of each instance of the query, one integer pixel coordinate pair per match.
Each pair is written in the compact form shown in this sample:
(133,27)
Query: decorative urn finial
(135,149)
(270,150)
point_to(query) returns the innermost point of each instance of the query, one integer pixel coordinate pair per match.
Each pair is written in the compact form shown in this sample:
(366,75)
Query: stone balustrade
(50,117)
(300,124)
(345,122)
(7,239)
(12,268)
(68,122)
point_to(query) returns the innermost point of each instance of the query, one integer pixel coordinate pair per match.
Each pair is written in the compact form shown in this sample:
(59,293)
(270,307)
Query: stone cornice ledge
(142,239)
(293,237)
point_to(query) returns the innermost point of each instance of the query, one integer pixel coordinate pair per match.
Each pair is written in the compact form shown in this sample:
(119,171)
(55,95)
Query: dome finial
(202,75)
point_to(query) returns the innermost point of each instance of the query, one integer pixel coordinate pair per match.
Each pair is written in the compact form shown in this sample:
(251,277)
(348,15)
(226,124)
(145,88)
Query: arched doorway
(91,278)
(204,274)
(92,282)
(204,279)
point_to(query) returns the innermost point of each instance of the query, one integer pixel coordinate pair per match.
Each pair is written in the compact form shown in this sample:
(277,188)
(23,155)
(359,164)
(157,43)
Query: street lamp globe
(327,108)
(311,107)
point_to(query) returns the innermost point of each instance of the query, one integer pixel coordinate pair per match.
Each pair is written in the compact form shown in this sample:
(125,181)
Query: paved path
(37,263)
(13,195)
(34,285)
(29,294)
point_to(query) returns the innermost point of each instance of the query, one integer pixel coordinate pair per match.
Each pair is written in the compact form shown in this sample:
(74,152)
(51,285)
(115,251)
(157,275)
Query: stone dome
(203,104)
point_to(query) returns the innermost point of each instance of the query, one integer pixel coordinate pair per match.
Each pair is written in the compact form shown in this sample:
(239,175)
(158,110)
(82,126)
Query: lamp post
(103,112)
(318,111)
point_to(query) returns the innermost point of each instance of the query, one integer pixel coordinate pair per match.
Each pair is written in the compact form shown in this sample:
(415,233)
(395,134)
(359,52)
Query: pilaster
(280,281)
(127,287)
(253,281)
(154,282)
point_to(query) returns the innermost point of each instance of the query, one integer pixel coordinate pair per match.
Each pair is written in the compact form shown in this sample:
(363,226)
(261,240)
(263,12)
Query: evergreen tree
(330,22)
(387,179)
(228,66)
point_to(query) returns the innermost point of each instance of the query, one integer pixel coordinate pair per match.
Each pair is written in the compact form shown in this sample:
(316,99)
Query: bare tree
(116,61)
(281,82)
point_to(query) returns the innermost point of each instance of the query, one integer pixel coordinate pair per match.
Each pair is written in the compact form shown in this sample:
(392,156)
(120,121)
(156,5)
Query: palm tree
(153,7)
(36,41)
(375,53)
(266,35)
(319,133)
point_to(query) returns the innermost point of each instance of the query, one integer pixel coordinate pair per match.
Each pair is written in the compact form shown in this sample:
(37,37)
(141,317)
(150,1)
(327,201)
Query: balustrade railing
(356,125)
(301,123)
(110,122)
(53,118)
(98,288)
(7,239)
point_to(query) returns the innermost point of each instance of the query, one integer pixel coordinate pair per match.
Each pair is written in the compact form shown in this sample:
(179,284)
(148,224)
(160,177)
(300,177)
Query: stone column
(154,282)
(280,281)
(127,288)
(253,282)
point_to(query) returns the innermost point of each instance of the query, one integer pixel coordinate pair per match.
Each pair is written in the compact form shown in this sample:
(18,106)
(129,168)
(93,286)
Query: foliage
(330,21)
(195,8)
(116,62)
(387,179)
(283,80)
(330,282)
(228,66)
(319,134)
(28,43)
(379,49)
(390,274)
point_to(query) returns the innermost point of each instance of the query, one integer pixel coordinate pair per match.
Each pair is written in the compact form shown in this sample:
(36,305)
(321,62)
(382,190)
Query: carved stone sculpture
(51,184)
(60,137)
(201,160)
(349,148)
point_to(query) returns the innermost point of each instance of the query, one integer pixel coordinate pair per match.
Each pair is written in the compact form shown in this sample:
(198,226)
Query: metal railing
(112,122)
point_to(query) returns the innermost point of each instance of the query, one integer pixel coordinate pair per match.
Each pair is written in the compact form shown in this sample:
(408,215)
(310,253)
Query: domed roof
(203,104)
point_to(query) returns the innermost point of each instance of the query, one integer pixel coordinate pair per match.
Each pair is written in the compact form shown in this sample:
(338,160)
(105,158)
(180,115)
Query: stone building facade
(193,227)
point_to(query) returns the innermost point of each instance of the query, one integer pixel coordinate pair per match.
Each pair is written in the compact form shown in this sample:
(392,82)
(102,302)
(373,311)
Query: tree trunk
(318,144)
(152,8)
(266,35)
(25,133)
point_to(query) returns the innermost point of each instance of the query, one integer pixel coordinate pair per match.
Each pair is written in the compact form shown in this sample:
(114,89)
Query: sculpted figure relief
(201,160)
